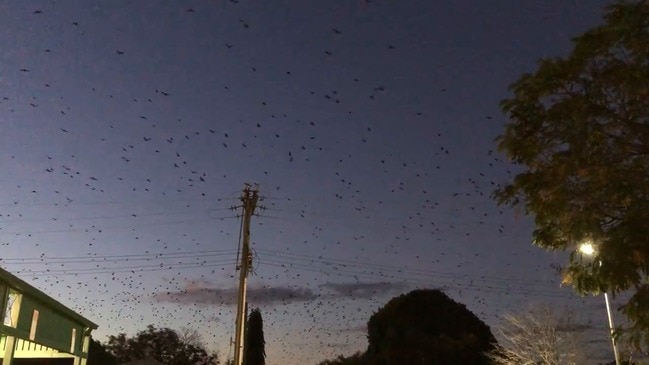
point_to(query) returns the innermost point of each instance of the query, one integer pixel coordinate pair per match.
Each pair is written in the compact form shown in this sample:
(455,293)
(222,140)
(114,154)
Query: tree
(539,336)
(190,336)
(427,327)
(161,344)
(99,355)
(579,128)
(356,359)
(255,352)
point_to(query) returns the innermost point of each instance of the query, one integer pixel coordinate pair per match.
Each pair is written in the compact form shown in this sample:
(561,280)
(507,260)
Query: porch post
(10,348)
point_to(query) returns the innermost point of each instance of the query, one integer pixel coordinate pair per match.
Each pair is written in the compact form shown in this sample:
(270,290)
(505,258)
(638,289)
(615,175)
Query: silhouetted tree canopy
(420,328)
(255,344)
(356,359)
(427,327)
(579,128)
(99,355)
(162,344)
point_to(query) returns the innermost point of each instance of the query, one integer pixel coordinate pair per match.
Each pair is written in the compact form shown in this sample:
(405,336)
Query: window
(11,309)
(32,329)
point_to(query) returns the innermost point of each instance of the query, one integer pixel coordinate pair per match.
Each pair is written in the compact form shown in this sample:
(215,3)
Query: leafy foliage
(579,126)
(255,344)
(427,327)
(162,344)
(99,355)
(356,359)
(423,327)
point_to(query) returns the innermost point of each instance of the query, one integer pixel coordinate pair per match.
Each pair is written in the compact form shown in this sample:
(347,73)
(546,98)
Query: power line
(134,269)
(348,263)
(100,229)
(130,216)
(131,258)
(201,252)
(326,263)
(344,268)
(473,287)
(321,265)
(118,202)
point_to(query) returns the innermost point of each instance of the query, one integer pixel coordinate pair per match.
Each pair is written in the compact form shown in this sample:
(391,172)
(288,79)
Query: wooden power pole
(249,202)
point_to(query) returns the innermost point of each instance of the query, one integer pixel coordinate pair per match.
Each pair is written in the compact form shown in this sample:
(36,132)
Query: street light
(588,249)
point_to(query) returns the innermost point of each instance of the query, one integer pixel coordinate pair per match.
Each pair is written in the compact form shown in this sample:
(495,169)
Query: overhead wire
(118,202)
(100,229)
(340,268)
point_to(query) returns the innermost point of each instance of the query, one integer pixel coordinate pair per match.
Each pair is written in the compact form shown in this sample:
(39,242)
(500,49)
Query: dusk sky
(128,130)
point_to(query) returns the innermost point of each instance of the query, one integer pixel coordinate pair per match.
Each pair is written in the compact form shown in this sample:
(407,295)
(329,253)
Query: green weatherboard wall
(56,323)
(53,330)
(3,299)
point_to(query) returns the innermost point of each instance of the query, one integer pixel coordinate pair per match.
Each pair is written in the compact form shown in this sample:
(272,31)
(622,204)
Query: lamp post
(588,249)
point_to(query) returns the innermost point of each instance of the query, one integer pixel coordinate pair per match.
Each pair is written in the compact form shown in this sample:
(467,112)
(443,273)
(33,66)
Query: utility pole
(249,202)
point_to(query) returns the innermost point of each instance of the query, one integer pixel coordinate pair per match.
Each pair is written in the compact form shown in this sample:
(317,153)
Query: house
(38,330)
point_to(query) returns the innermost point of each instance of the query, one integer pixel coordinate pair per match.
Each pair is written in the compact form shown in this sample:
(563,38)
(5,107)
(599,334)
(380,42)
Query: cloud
(363,290)
(205,293)
(267,295)
(201,293)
